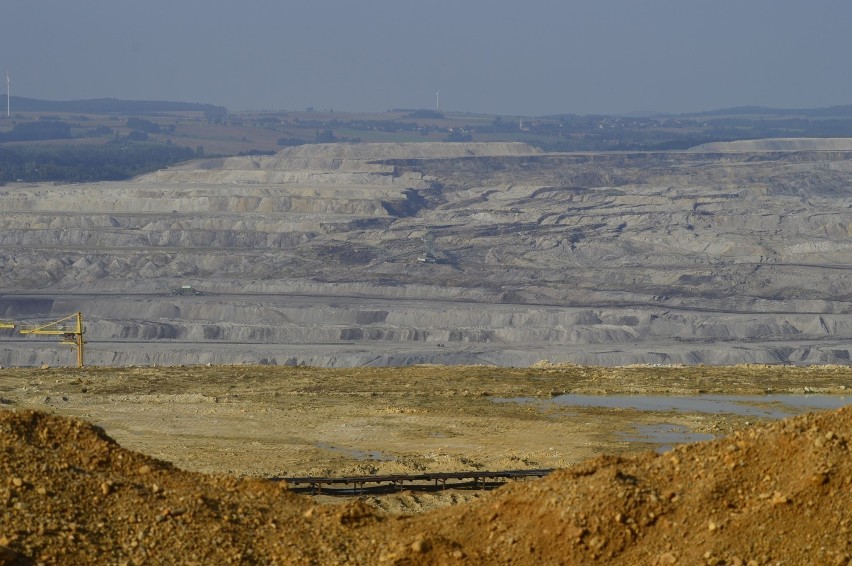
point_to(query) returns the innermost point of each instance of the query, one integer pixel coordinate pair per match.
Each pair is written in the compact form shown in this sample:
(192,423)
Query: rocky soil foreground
(777,494)
(395,254)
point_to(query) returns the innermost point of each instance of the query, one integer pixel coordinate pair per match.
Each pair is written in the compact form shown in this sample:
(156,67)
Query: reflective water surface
(776,406)
(665,435)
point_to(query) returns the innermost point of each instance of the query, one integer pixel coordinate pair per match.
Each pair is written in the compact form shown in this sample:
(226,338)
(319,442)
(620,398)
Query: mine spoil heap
(776,493)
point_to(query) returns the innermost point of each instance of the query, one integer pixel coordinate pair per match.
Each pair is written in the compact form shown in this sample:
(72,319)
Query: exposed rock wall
(453,253)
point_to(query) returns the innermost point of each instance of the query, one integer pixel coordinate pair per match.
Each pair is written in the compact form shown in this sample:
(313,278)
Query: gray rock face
(447,253)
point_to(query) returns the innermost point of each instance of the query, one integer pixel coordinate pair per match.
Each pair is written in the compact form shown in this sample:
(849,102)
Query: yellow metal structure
(71,333)
(7,324)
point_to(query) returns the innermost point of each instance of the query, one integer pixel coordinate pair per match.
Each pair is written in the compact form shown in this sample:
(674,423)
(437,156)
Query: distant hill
(265,132)
(835,111)
(114,106)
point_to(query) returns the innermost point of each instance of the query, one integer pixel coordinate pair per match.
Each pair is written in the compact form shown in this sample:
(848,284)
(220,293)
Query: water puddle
(356,454)
(772,406)
(665,435)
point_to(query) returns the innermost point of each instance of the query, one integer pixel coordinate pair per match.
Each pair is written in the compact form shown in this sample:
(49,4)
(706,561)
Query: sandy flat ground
(278,421)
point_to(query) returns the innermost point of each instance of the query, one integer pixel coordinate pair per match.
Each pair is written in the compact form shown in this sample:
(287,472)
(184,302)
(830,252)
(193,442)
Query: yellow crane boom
(71,333)
(4,324)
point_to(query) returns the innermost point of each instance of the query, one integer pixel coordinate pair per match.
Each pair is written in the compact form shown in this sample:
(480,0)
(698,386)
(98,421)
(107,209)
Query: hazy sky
(530,57)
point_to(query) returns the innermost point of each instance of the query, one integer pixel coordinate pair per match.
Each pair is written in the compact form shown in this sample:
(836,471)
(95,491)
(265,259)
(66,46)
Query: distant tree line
(291,142)
(86,163)
(142,125)
(424,114)
(322,136)
(37,131)
(115,106)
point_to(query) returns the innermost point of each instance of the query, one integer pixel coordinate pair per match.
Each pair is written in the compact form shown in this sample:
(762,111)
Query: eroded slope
(456,253)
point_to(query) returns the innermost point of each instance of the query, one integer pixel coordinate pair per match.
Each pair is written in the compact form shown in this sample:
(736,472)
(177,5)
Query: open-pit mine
(670,267)
(478,253)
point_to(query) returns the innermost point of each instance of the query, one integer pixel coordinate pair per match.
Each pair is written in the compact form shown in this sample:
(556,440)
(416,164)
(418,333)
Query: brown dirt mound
(775,494)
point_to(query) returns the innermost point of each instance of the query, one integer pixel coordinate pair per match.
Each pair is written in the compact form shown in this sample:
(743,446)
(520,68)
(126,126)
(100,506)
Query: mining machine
(72,333)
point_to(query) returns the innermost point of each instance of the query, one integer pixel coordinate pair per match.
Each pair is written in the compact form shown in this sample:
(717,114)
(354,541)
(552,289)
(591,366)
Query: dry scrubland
(722,255)
(758,494)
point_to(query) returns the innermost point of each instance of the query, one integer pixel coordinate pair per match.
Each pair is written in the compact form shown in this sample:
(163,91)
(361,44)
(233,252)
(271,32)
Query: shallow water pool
(773,406)
(665,435)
